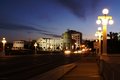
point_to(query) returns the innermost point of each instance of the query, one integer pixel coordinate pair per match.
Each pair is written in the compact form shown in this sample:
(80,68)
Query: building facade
(50,44)
(78,39)
(67,40)
(18,45)
(72,39)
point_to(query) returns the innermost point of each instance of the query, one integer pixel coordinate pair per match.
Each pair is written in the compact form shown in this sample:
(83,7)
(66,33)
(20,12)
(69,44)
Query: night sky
(32,19)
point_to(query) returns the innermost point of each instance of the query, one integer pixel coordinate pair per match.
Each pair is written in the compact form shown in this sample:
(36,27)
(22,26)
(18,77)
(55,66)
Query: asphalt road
(25,67)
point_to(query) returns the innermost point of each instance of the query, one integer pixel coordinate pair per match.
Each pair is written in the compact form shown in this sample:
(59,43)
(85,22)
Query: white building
(18,45)
(52,44)
(77,37)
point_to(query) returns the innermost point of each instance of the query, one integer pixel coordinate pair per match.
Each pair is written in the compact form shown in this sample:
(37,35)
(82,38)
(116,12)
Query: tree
(113,35)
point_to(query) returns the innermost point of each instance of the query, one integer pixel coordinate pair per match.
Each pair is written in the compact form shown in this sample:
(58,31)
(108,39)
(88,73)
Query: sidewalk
(87,69)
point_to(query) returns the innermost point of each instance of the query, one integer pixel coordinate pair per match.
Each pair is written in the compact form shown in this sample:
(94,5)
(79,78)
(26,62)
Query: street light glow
(99,34)
(105,20)
(35,47)
(99,28)
(105,11)
(98,22)
(111,22)
(35,44)
(4,41)
(96,34)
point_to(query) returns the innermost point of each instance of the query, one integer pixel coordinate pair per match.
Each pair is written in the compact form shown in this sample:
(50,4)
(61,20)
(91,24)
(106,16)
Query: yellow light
(75,52)
(83,49)
(79,51)
(67,52)
(83,45)
(104,22)
(4,41)
(96,40)
(35,44)
(105,11)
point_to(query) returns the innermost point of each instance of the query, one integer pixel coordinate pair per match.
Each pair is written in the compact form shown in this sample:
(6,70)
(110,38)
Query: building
(50,44)
(119,36)
(67,40)
(77,36)
(72,39)
(18,45)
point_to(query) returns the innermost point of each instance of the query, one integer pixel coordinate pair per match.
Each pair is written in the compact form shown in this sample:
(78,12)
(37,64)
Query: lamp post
(99,34)
(4,41)
(96,44)
(104,21)
(35,47)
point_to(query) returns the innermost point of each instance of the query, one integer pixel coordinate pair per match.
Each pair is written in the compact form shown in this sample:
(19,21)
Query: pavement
(56,73)
(84,69)
(87,69)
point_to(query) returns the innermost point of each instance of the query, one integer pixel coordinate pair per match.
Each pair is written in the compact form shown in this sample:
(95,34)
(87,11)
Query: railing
(110,70)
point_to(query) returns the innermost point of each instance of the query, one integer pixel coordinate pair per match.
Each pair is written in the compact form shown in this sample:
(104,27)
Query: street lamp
(4,41)
(99,34)
(96,45)
(104,21)
(35,47)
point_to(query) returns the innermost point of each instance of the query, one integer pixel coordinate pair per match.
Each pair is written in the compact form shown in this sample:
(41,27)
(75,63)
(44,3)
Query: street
(25,67)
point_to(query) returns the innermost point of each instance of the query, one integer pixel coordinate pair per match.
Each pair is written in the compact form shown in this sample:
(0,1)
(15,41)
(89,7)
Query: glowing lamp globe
(4,41)
(99,28)
(111,22)
(96,34)
(98,21)
(105,11)
(35,44)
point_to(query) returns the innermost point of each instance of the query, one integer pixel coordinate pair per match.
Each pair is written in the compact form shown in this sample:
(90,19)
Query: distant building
(18,45)
(77,36)
(67,40)
(48,44)
(119,36)
(72,39)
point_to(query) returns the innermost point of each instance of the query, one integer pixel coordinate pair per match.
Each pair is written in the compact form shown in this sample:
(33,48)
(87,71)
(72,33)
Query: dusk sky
(25,19)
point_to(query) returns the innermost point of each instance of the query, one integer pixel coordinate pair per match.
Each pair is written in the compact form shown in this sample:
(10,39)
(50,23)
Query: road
(25,67)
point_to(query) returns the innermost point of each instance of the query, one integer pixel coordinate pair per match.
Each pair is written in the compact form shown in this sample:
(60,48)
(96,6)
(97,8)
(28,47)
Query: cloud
(9,26)
(17,27)
(52,35)
(79,7)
